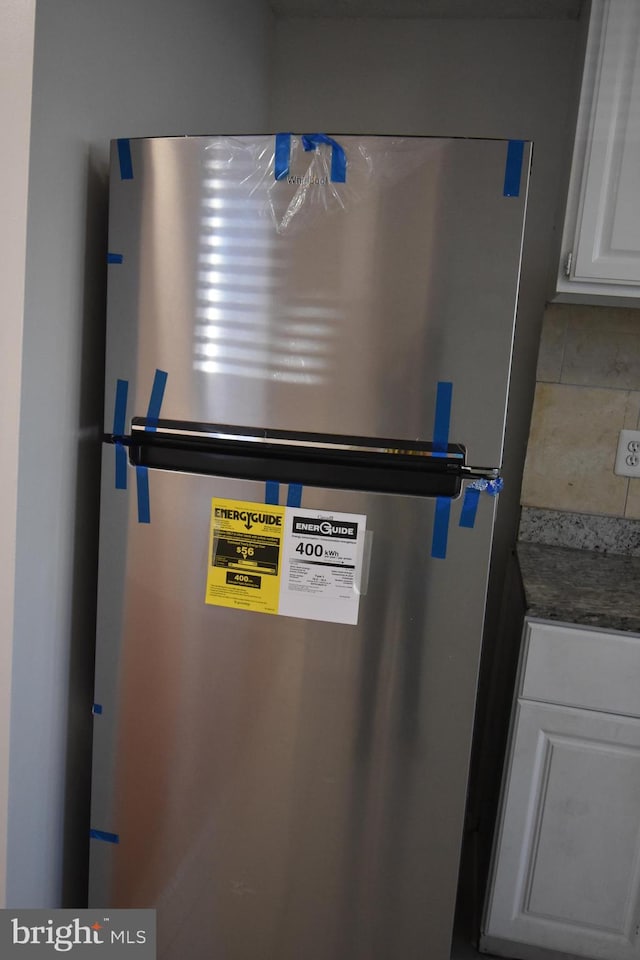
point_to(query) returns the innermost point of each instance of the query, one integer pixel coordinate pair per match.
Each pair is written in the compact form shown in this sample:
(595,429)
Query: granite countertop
(581,586)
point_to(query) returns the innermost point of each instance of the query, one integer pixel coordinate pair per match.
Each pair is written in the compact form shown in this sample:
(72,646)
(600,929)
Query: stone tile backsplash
(602,348)
(588,390)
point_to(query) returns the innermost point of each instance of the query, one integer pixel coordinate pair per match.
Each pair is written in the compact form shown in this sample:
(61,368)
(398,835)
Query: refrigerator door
(344,321)
(282,788)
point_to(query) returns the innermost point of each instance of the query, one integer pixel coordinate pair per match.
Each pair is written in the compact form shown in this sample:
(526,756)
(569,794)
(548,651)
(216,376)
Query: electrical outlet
(628,455)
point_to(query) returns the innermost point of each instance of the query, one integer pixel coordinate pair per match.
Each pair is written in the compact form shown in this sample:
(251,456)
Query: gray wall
(17,27)
(486,78)
(126,67)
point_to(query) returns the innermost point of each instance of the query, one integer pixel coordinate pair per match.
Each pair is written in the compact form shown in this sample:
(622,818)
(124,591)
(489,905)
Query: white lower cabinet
(566,872)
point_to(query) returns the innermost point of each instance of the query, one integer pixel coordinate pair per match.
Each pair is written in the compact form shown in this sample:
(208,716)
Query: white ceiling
(440,9)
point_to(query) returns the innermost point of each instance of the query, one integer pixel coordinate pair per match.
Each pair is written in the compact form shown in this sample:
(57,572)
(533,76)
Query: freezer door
(340,320)
(282,788)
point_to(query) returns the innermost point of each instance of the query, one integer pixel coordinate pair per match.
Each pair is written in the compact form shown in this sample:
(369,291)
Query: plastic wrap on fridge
(293,178)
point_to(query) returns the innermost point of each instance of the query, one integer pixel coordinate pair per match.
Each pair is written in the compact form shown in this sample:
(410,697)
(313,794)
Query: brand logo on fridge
(64,937)
(326,528)
(248,517)
(307,181)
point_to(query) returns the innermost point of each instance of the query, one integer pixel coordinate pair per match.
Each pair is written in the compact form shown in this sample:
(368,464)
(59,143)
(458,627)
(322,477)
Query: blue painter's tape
(469,507)
(121,467)
(115,258)
(338,157)
(104,836)
(142,473)
(272,492)
(442,417)
(155,401)
(472,495)
(119,427)
(97,709)
(441,423)
(282,155)
(120,408)
(513,168)
(294,495)
(338,164)
(124,157)
(142,484)
(441,528)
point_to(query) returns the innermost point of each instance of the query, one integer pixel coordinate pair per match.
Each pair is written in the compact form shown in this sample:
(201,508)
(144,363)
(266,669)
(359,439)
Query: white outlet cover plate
(627,448)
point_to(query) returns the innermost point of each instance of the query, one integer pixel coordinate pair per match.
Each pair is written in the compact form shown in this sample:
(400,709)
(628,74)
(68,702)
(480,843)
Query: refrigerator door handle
(378,465)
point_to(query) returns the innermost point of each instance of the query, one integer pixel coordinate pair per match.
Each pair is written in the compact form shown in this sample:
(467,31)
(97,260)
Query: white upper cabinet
(600,257)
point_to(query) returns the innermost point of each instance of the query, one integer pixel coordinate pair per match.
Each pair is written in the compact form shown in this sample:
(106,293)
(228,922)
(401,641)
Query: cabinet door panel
(577,667)
(568,866)
(607,246)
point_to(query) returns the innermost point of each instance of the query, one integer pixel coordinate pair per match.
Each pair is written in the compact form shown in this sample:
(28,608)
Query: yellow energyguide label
(245,555)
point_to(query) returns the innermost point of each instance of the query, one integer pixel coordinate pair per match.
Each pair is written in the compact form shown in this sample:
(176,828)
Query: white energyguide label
(322,565)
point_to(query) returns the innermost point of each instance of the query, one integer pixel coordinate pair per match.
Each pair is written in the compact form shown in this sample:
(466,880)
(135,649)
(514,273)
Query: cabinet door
(604,232)
(567,867)
(608,238)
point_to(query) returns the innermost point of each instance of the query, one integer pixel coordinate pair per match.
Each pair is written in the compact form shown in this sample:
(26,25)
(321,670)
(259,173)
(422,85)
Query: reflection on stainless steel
(228,241)
(272,372)
(233,336)
(235,280)
(264,351)
(232,262)
(229,351)
(233,296)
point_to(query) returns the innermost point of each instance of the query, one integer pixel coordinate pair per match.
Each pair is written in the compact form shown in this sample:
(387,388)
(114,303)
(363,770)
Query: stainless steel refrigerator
(308,358)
